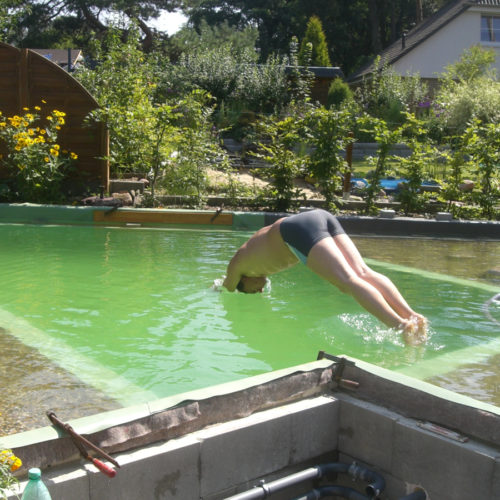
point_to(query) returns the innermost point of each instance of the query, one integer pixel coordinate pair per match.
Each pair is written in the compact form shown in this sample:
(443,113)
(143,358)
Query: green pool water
(130,314)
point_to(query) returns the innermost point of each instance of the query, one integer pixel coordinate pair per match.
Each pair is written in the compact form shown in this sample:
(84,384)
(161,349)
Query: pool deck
(27,213)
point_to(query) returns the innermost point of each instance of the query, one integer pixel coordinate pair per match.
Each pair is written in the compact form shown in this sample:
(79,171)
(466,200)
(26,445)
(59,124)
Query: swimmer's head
(248,284)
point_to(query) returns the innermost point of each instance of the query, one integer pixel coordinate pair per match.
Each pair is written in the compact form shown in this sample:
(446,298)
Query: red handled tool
(80,441)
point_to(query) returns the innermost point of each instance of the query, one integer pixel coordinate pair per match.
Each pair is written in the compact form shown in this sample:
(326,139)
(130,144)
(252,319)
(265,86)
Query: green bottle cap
(34,473)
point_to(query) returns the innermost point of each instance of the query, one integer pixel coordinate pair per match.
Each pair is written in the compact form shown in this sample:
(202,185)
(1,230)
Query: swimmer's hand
(415,330)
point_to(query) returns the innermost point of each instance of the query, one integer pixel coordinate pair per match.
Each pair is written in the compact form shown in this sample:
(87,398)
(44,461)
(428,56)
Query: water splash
(373,332)
(218,284)
(490,306)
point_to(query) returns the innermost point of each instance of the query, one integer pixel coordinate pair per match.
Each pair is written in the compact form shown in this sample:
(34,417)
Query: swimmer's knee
(364,272)
(348,284)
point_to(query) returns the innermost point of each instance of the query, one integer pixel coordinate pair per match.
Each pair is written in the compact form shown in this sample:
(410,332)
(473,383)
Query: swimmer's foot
(415,330)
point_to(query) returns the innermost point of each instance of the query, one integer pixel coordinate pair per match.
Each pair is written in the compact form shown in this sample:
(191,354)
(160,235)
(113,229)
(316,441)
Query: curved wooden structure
(27,78)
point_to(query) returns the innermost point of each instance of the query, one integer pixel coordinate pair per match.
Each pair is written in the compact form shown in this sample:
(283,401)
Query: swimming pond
(92,318)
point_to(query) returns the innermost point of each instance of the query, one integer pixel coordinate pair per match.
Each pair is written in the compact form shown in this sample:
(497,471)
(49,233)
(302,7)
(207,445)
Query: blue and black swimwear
(302,231)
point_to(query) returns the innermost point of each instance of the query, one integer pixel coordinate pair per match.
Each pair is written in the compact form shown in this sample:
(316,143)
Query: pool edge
(29,213)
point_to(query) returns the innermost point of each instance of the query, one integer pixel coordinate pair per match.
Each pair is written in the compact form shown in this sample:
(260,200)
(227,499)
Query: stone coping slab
(28,213)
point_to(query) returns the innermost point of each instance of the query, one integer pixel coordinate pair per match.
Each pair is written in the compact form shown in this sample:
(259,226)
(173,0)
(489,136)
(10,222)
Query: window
(490,29)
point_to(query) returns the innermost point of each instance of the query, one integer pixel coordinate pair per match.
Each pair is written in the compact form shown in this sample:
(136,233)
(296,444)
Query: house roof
(60,56)
(422,32)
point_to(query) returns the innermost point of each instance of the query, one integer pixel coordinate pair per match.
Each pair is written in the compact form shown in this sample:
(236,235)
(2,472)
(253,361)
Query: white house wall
(446,46)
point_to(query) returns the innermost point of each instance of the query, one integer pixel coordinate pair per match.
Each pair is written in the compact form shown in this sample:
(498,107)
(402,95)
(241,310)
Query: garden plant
(9,463)
(36,162)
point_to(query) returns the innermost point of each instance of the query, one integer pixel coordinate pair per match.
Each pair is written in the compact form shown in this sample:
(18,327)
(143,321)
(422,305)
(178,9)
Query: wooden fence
(27,78)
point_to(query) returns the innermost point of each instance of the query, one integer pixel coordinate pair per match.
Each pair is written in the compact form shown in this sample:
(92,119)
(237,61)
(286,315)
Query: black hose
(330,491)
(377,482)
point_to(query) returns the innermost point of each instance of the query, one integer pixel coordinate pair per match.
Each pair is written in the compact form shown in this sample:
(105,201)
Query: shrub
(385,137)
(327,132)
(468,90)
(195,148)
(482,143)
(34,158)
(123,83)
(339,93)
(279,136)
(461,103)
(388,96)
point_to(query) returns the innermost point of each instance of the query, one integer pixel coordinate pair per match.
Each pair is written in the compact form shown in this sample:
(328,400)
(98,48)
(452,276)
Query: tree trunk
(374,26)
(420,12)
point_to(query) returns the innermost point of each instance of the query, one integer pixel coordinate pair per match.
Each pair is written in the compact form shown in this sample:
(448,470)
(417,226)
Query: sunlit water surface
(138,306)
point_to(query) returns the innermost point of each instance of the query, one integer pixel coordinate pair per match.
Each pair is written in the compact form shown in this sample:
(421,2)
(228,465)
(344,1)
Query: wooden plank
(160,217)
(23,84)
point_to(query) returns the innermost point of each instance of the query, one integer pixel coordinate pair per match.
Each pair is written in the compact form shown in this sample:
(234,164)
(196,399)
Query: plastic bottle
(35,489)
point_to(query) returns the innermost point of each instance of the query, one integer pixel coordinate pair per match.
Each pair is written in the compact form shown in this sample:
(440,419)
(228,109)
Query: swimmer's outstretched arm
(233,275)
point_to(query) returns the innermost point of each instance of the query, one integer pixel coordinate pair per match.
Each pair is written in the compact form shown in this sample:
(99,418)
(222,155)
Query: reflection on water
(475,260)
(478,380)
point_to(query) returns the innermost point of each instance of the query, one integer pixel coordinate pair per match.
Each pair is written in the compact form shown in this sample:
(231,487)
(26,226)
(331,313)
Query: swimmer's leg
(382,283)
(327,260)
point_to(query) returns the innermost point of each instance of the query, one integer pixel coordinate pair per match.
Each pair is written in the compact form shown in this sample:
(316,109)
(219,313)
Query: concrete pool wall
(214,443)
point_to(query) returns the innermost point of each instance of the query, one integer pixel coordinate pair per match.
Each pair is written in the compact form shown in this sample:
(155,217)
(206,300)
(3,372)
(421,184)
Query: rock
(492,274)
(125,198)
(466,186)
(97,201)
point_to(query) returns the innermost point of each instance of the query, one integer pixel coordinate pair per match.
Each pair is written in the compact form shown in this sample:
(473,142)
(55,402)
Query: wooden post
(23,81)
(104,156)
(347,174)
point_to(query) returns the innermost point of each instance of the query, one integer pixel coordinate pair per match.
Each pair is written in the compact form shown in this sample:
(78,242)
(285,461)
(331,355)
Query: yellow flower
(56,146)
(26,109)
(46,159)
(49,118)
(73,156)
(17,463)
(45,102)
(38,108)
(61,120)
(58,127)
(54,152)
(43,131)
(6,456)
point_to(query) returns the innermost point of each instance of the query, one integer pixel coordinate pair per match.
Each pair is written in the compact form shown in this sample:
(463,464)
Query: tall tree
(39,21)
(316,37)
